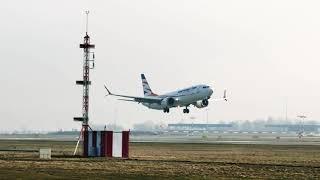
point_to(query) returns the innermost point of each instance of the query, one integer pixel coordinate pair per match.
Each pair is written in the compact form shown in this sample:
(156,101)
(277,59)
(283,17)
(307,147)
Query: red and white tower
(88,63)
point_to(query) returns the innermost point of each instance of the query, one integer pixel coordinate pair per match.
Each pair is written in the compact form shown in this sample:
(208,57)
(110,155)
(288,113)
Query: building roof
(199,125)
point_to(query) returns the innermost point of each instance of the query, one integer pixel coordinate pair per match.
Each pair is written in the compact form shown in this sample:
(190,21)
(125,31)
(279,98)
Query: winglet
(225,95)
(143,76)
(109,93)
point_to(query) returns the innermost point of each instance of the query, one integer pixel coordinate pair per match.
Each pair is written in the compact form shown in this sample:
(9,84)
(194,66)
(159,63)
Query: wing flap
(153,99)
(148,100)
(130,100)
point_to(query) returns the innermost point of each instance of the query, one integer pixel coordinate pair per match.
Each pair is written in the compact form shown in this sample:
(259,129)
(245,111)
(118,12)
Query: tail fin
(146,88)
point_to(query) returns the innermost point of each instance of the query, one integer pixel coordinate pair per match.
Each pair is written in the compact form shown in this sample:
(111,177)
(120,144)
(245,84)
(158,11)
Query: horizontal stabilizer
(225,95)
(223,98)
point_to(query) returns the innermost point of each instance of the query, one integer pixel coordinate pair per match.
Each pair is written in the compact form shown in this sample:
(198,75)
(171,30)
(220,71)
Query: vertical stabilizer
(146,88)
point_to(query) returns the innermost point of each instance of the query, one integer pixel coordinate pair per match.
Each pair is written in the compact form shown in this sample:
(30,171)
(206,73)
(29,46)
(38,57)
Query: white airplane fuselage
(194,95)
(184,97)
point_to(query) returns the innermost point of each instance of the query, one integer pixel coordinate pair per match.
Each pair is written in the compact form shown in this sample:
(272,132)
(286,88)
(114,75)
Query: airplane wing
(130,100)
(135,98)
(221,99)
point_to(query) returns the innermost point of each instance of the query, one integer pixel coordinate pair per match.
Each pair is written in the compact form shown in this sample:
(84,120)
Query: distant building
(199,127)
(294,127)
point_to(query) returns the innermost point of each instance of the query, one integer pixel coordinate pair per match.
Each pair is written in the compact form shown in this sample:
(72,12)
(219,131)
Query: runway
(193,137)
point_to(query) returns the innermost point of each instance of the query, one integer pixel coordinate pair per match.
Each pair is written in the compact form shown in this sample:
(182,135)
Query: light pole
(207,116)
(192,119)
(302,117)
(286,108)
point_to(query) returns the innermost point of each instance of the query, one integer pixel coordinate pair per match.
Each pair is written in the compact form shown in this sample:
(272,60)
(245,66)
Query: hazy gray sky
(263,52)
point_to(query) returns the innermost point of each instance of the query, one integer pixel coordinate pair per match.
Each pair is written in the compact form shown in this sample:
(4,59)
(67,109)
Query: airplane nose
(210,91)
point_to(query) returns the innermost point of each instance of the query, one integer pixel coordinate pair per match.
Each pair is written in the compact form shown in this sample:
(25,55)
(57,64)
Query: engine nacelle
(168,102)
(202,104)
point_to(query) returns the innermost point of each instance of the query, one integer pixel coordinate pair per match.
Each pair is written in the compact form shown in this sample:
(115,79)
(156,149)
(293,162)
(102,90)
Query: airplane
(197,96)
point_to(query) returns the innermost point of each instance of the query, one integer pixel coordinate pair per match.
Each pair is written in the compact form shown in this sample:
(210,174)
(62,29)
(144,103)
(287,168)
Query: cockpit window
(204,87)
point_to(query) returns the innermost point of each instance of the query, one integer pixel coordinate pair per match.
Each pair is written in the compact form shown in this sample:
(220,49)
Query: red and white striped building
(106,144)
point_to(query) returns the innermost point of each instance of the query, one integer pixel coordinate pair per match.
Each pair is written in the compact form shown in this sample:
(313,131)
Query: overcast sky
(262,52)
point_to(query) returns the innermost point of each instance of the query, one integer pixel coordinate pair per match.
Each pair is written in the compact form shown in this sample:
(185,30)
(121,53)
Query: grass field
(163,160)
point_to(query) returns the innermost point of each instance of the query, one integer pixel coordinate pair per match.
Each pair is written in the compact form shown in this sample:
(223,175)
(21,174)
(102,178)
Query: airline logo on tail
(146,88)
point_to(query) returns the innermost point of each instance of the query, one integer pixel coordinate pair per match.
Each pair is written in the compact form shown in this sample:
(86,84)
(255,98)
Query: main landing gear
(186,110)
(166,110)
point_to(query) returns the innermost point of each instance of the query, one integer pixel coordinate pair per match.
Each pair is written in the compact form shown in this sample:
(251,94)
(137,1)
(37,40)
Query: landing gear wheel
(166,110)
(186,110)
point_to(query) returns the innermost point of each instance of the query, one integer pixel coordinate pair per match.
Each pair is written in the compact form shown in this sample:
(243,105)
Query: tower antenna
(88,63)
(87,21)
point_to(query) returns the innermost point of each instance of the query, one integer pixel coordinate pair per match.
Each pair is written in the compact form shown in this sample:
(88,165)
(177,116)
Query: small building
(106,144)
(45,153)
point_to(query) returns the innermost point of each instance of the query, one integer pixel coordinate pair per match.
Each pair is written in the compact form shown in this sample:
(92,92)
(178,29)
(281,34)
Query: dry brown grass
(161,160)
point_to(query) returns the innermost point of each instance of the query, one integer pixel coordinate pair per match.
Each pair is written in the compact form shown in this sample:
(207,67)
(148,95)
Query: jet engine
(168,102)
(202,104)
